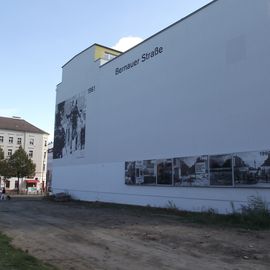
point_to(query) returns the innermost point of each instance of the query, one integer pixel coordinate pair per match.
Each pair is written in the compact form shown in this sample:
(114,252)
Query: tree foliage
(1,154)
(21,165)
(6,170)
(18,165)
(2,162)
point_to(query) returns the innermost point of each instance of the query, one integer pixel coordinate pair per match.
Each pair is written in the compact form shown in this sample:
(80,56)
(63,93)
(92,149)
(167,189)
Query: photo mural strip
(245,169)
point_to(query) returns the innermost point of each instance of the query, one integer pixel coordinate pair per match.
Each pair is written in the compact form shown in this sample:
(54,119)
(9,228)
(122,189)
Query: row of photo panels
(244,169)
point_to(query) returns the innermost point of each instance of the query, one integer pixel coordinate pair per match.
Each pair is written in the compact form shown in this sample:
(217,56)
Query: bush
(256,213)
(256,206)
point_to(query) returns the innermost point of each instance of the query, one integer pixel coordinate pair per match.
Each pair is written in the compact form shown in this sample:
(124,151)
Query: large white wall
(206,93)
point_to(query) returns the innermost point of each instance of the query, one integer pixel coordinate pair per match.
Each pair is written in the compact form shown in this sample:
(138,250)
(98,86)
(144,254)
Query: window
(7,183)
(19,140)
(17,184)
(31,141)
(1,139)
(9,153)
(30,154)
(10,139)
(44,166)
(108,56)
(45,143)
(45,154)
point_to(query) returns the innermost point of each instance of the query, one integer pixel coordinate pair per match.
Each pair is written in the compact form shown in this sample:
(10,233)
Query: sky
(37,37)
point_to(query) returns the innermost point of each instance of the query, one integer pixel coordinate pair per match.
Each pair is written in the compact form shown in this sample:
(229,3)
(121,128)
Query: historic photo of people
(69,132)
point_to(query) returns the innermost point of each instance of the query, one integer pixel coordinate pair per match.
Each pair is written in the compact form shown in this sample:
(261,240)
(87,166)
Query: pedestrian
(3,195)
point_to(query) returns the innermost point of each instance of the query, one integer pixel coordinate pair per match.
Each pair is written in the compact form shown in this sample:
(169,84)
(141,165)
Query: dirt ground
(75,235)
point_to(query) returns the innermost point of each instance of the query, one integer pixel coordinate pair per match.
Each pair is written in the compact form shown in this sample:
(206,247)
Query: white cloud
(126,43)
(8,112)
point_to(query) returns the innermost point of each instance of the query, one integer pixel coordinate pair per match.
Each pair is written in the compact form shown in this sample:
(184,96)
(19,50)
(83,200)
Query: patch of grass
(15,259)
(253,216)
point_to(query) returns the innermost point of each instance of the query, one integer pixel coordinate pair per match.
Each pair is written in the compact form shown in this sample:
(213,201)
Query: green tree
(21,165)
(1,154)
(7,170)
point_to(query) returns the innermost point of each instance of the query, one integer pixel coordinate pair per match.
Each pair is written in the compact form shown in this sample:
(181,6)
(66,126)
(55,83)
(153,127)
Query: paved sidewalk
(25,197)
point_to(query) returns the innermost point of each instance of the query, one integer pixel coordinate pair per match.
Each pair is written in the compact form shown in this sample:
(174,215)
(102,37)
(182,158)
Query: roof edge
(42,132)
(95,44)
(37,130)
(166,28)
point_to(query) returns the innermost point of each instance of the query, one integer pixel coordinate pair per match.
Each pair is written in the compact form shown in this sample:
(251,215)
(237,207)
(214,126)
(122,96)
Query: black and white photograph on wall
(221,170)
(130,173)
(140,172)
(191,171)
(245,169)
(164,172)
(149,172)
(70,124)
(252,169)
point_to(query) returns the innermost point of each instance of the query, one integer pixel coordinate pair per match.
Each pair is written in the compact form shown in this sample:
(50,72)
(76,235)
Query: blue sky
(38,36)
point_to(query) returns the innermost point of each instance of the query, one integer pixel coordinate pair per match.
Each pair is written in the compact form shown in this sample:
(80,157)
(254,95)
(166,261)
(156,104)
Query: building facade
(49,167)
(16,132)
(180,118)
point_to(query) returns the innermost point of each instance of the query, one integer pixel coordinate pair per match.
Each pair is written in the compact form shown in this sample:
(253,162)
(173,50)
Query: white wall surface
(196,97)
(206,93)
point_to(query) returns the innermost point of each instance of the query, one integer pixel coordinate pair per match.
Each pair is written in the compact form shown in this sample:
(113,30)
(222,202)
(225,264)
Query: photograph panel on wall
(141,172)
(221,173)
(130,173)
(191,171)
(252,169)
(149,172)
(164,172)
(69,131)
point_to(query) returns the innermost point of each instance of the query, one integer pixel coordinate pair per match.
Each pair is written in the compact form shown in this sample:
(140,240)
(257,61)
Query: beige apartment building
(16,132)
